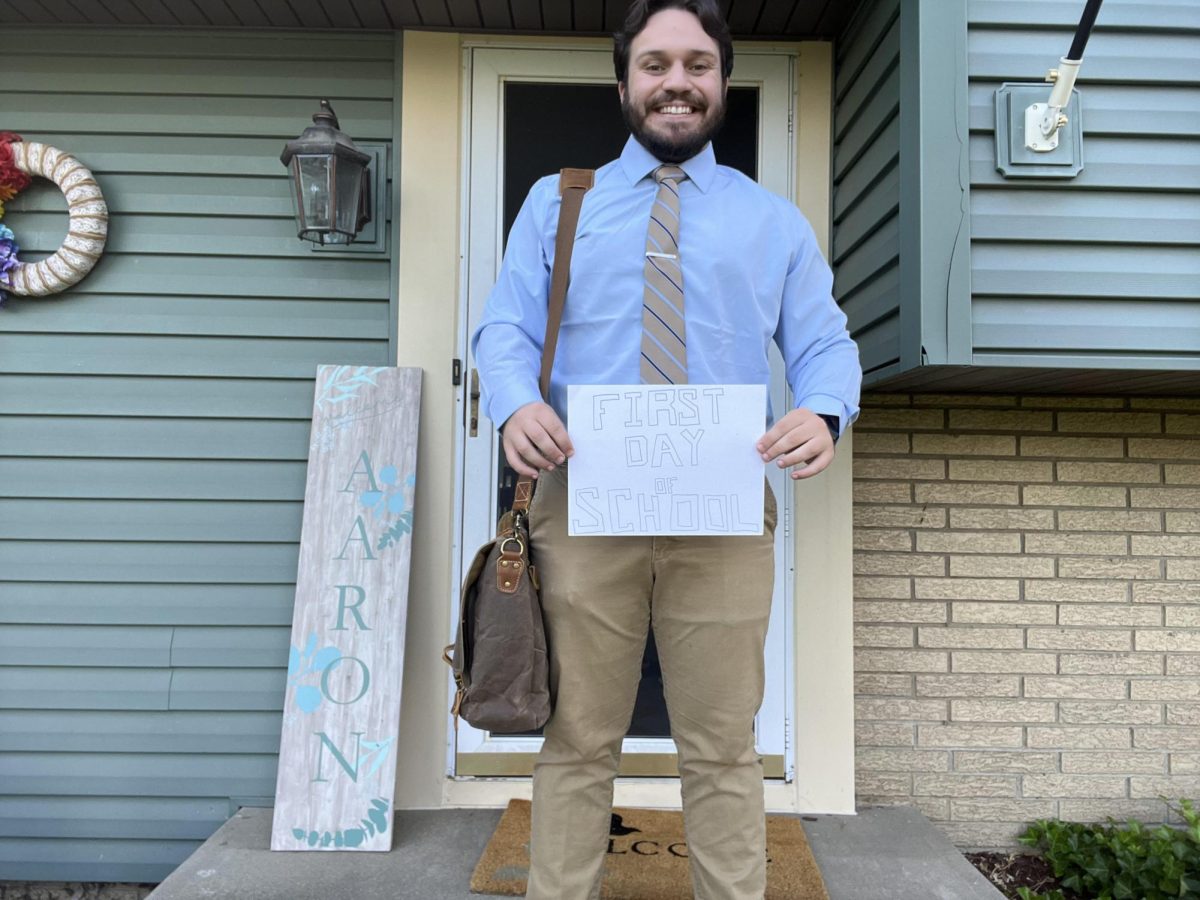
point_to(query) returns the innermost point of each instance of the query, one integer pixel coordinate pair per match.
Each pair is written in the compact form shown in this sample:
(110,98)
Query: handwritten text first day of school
(665,459)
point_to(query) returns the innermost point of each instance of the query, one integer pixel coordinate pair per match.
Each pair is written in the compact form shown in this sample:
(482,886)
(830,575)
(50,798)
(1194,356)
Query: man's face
(673,98)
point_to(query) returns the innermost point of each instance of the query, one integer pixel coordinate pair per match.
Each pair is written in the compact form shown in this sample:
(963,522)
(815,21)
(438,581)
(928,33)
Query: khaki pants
(708,600)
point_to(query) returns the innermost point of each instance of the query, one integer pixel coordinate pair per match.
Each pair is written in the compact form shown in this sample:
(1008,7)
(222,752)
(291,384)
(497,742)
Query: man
(751,273)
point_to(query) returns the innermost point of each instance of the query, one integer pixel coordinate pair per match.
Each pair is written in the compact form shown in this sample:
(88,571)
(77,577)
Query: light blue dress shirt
(752,273)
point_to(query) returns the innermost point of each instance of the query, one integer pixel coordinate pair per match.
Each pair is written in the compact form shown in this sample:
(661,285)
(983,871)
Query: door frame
(822,629)
(487,70)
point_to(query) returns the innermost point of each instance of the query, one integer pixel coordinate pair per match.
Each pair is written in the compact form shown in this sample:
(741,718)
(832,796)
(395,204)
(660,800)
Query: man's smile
(676,111)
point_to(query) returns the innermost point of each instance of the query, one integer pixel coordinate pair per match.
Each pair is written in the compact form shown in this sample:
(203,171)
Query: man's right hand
(536,439)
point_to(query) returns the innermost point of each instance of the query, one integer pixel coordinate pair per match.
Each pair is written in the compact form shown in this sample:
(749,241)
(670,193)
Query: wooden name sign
(341,712)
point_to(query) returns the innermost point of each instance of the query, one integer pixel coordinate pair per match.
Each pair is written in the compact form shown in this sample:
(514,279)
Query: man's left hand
(801,438)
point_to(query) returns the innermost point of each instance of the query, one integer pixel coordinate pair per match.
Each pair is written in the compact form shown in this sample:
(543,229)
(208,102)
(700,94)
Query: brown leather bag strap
(572,185)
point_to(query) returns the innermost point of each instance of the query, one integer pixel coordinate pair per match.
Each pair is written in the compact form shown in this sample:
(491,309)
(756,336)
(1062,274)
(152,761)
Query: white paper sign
(665,459)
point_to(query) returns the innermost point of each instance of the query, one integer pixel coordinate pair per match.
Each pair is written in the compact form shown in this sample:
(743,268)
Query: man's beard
(665,147)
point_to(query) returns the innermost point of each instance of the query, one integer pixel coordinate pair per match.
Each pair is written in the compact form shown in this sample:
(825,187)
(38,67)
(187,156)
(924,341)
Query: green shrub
(1120,862)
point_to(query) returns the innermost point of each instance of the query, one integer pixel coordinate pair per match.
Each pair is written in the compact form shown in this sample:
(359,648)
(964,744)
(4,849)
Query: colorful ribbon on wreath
(12,182)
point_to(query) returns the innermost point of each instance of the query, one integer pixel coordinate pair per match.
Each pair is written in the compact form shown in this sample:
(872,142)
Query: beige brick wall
(1027,608)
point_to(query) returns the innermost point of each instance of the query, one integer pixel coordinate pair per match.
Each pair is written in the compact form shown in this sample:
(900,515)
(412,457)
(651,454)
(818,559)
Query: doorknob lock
(474,395)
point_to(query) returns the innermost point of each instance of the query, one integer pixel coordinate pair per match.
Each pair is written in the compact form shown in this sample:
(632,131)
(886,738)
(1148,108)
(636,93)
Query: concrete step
(880,854)
(892,853)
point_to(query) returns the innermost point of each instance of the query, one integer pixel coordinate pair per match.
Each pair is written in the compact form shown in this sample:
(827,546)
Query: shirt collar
(637,162)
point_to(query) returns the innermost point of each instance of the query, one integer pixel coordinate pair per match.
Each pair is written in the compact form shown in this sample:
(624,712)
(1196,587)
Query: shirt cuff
(826,405)
(504,403)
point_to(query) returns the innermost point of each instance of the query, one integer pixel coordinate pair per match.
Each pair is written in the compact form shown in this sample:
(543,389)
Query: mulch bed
(1009,871)
(74,890)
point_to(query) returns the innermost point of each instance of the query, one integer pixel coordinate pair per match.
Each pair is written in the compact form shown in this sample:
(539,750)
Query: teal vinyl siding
(1102,270)
(154,426)
(866,182)
(134,731)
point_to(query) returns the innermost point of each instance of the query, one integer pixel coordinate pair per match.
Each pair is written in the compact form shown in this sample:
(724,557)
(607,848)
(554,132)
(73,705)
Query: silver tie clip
(661,255)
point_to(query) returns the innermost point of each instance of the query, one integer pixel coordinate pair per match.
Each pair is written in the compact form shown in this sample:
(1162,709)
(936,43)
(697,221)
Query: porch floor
(879,854)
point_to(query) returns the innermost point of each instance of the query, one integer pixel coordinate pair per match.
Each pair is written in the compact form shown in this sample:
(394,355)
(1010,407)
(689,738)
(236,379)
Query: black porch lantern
(330,181)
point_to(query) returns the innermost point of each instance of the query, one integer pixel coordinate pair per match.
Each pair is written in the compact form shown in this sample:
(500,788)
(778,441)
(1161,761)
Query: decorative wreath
(86,234)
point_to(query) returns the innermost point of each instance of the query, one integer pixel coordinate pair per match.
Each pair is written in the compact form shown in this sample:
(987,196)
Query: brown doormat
(647,858)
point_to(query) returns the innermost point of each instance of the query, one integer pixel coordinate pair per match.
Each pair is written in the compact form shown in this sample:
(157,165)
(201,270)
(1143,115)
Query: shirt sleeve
(822,360)
(507,344)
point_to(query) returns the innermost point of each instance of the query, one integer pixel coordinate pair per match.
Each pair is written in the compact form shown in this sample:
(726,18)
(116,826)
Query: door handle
(474,395)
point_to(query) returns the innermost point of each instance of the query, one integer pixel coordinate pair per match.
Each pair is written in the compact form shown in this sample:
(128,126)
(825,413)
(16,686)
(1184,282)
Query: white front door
(524,105)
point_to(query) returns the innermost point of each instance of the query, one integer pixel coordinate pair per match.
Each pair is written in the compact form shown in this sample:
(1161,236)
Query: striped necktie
(664,351)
